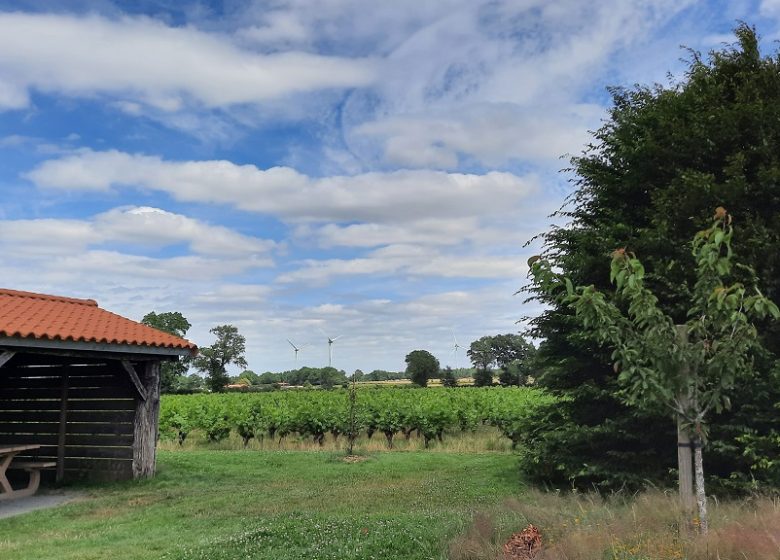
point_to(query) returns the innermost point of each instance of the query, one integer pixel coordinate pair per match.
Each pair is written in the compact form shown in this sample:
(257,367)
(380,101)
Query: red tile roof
(46,317)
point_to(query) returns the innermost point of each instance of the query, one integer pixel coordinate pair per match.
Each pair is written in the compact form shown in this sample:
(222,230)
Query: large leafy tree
(514,357)
(213,360)
(510,352)
(421,366)
(690,370)
(483,356)
(172,322)
(663,159)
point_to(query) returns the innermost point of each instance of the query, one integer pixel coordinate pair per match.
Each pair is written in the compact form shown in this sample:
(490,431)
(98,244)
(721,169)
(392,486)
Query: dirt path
(39,501)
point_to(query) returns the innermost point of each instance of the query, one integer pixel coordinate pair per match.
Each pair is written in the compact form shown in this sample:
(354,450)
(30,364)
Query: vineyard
(386,412)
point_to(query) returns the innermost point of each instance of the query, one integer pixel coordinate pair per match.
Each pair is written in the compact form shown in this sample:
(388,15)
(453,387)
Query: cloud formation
(382,197)
(144,62)
(135,226)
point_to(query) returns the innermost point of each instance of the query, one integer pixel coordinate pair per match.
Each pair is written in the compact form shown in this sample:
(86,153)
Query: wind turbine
(330,347)
(295,348)
(455,347)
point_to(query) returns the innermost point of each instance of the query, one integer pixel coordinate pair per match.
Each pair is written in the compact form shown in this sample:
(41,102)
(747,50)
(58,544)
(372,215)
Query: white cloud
(769,8)
(144,226)
(491,133)
(436,231)
(498,82)
(408,261)
(155,227)
(396,197)
(233,294)
(148,63)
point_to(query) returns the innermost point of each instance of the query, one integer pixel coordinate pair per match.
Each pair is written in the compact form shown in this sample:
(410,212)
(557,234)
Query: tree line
(510,353)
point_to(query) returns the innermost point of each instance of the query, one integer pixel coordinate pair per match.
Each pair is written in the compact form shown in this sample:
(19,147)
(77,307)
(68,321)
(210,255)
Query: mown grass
(279,505)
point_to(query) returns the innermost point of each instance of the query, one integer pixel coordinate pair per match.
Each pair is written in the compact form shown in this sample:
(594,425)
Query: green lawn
(221,505)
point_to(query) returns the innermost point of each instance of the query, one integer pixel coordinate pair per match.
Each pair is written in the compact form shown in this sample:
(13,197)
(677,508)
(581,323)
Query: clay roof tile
(49,317)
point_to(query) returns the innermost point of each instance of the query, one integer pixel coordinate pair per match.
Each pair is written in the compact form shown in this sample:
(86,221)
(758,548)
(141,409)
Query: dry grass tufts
(644,527)
(484,439)
(479,542)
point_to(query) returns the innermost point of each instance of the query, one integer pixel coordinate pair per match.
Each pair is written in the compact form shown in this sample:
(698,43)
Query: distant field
(237,505)
(463,382)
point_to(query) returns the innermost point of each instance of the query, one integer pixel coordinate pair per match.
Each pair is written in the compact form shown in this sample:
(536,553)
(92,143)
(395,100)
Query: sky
(300,168)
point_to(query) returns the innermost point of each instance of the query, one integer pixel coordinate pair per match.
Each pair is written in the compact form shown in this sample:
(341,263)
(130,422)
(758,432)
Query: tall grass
(482,440)
(645,527)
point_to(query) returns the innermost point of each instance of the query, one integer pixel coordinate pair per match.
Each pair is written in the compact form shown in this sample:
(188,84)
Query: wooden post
(62,428)
(684,444)
(6,356)
(147,412)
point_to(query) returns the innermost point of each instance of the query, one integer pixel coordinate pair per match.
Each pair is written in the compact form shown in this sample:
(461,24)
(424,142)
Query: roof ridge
(48,297)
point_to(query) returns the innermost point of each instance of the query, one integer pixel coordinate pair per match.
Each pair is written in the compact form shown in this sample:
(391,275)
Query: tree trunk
(685,469)
(701,496)
(684,445)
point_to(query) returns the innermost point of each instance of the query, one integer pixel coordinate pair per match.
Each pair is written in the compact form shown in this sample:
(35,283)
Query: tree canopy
(213,360)
(648,181)
(421,365)
(510,352)
(172,322)
(689,370)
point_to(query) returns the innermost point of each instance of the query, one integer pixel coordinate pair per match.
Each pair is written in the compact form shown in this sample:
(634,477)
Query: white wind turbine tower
(330,347)
(455,348)
(295,348)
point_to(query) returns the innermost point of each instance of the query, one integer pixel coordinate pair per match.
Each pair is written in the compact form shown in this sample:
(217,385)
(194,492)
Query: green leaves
(315,413)
(693,376)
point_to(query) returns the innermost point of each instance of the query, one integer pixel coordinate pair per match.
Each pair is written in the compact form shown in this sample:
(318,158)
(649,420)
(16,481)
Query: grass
(644,527)
(210,504)
(227,505)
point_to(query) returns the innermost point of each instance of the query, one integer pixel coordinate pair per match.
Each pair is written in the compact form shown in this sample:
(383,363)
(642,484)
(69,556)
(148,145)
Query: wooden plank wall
(100,413)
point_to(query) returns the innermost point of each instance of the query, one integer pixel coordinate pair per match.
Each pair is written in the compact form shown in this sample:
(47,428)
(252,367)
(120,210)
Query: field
(231,505)
(390,414)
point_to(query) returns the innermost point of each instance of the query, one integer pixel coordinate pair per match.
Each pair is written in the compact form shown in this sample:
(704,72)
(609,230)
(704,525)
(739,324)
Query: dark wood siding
(100,411)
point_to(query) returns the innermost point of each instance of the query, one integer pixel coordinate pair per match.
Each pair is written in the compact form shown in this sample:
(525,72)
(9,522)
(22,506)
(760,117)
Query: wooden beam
(145,426)
(85,348)
(128,367)
(5,356)
(62,429)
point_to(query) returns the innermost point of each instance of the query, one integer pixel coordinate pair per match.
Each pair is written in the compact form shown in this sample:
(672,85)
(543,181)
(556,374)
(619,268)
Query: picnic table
(7,455)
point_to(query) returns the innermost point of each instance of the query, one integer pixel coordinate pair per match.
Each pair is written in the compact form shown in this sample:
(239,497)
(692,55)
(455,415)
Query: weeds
(643,527)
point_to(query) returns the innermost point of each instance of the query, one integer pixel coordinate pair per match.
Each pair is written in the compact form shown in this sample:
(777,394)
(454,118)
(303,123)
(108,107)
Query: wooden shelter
(83,383)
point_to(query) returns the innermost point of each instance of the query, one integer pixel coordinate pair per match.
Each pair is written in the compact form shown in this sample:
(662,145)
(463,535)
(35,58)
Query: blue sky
(364,169)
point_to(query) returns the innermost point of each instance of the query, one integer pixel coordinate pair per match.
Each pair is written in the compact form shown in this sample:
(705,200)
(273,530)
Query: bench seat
(34,469)
(30,465)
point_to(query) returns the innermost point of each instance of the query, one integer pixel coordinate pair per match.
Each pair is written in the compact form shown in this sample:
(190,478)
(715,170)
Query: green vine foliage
(316,414)
(690,378)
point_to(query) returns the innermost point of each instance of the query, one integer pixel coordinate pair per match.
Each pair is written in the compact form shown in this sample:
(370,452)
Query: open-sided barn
(81,383)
